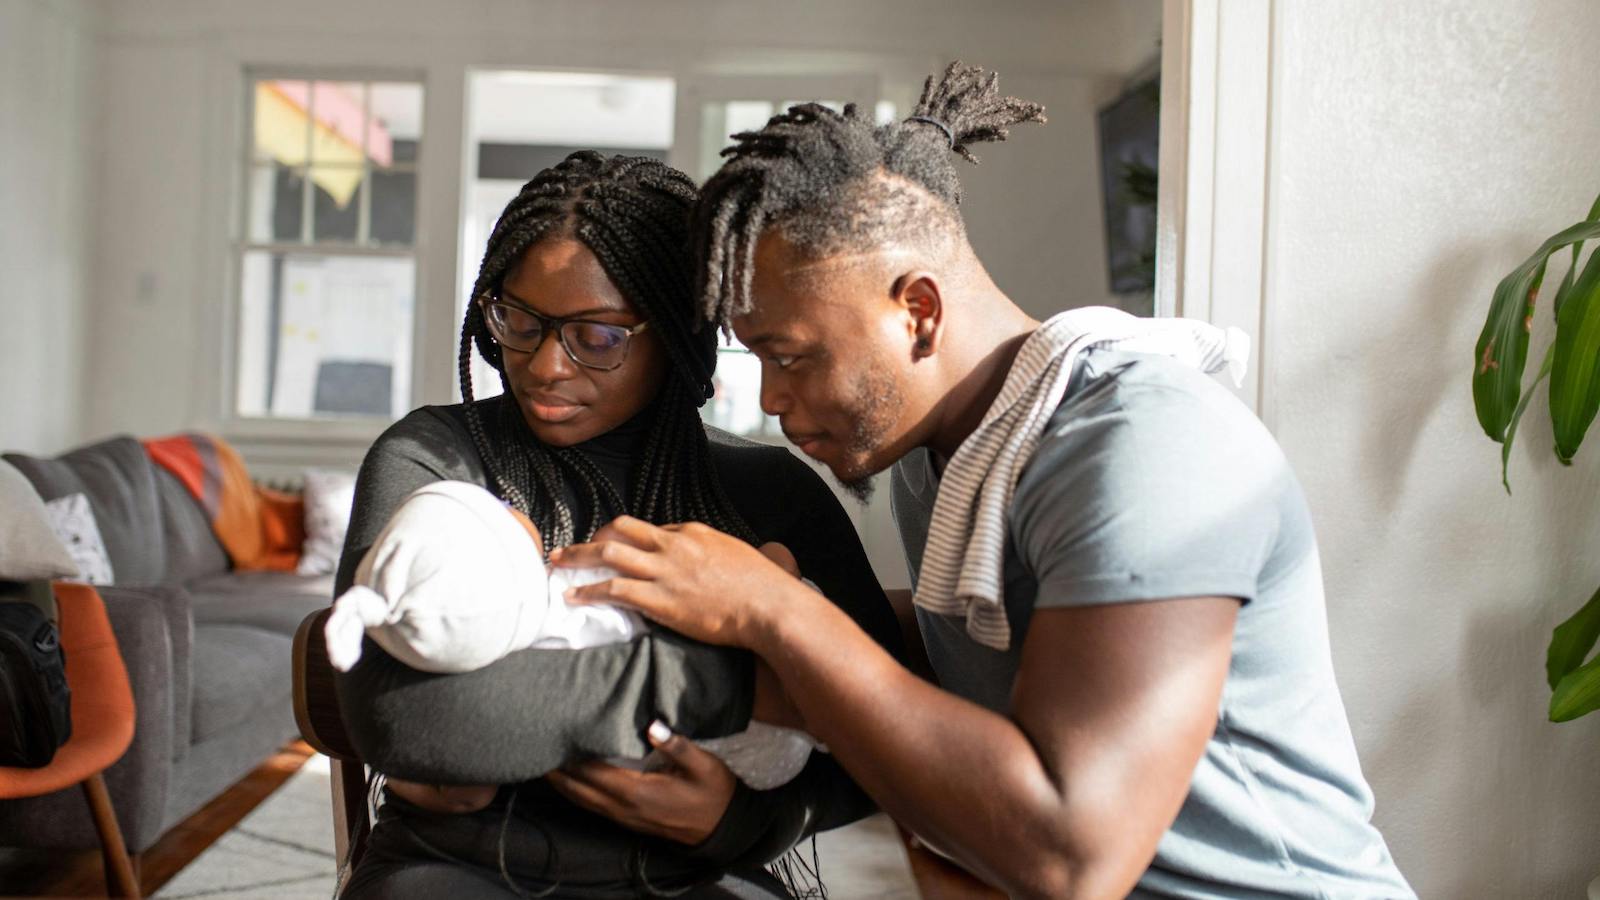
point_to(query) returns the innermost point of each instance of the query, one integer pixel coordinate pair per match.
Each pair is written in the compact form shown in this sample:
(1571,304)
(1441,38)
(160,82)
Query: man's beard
(860,489)
(874,400)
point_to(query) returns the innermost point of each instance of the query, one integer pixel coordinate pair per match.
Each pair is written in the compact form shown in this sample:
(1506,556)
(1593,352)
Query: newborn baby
(457,580)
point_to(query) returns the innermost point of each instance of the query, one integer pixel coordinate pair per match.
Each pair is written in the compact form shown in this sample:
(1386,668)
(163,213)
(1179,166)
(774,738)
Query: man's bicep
(1119,701)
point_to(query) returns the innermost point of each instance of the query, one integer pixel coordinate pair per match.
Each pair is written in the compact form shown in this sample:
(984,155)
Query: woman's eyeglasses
(596,345)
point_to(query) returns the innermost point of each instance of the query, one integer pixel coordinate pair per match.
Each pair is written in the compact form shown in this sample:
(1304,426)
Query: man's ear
(917,292)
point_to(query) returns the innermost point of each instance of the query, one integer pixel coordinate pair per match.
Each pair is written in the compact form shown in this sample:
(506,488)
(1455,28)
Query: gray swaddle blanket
(455,582)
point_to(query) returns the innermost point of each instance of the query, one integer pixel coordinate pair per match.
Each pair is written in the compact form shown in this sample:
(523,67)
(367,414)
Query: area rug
(282,850)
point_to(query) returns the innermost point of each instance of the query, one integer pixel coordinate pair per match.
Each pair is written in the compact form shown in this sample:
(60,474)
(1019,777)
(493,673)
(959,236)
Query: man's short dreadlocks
(831,181)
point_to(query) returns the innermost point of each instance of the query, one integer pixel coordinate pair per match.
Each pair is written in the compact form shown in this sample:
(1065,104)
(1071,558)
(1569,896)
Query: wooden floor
(54,873)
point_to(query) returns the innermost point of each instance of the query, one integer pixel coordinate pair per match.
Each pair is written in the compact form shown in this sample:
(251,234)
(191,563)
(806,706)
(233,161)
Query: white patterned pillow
(328,497)
(72,519)
(29,548)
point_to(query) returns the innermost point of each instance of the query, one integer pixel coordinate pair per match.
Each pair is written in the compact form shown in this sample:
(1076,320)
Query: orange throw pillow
(283,530)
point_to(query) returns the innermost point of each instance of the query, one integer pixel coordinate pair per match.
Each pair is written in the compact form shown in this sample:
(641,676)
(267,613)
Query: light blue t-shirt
(1151,482)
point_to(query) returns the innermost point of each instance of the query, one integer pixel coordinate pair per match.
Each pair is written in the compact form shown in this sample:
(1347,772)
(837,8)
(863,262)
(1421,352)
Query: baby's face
(533,530)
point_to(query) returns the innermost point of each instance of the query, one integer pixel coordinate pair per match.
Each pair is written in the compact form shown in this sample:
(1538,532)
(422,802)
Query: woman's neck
(616,452)
(624,441)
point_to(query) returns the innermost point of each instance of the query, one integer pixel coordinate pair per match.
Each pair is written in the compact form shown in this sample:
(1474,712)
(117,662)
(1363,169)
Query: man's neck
(979,366)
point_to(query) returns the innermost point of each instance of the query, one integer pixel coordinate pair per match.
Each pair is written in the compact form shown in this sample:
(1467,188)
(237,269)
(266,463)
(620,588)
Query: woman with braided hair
(583,306)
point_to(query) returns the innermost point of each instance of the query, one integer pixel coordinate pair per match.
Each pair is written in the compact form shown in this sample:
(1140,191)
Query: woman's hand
(691,578)
(682,803)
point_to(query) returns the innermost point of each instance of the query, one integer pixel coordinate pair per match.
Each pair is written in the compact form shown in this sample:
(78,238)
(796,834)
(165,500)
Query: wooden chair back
(316,711)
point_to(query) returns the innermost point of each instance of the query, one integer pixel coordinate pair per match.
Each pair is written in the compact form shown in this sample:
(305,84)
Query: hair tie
(951,135)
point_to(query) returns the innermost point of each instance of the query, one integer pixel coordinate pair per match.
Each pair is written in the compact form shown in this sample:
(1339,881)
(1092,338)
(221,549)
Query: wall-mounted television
(1130,129)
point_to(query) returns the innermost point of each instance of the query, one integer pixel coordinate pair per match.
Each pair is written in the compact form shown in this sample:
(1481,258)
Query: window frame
(333,429)
(697,89)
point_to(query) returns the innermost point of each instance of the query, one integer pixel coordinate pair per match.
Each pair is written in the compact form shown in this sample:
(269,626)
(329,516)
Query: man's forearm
(950,770)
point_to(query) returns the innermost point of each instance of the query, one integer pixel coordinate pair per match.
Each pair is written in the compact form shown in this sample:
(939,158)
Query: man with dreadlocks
(583,304)
(1117,581)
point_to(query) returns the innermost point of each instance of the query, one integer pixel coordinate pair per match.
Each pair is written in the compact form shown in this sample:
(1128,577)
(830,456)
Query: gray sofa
(207,650)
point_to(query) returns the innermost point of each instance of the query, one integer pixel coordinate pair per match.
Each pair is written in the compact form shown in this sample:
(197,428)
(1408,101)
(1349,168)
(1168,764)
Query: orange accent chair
(102,727)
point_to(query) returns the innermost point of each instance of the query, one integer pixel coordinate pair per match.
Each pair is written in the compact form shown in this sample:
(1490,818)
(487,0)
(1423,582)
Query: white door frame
(1213,215)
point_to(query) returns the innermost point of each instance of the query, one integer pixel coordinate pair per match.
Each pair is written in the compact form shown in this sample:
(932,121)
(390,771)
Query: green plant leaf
(1572,641)
(1502,350)
(1565,287)
(1575,372)
(1522,406)
(1578,694)
(1572,270)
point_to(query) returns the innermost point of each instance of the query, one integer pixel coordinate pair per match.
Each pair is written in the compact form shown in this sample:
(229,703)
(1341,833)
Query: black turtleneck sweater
(538,709)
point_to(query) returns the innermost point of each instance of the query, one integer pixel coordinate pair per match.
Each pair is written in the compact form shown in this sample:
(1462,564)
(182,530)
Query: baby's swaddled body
(457,580)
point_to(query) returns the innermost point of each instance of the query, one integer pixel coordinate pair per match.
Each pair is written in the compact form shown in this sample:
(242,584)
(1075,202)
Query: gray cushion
(193,550)
(175,675)
(119,480)
(274,601)
(213,765)
(238,671)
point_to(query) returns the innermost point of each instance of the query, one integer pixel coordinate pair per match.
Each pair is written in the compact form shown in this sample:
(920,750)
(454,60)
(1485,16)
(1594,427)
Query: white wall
(1033,205)
(1421,151)
(153,279)
(45,106)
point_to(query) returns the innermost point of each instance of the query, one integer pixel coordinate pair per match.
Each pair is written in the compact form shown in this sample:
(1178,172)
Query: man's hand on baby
(691,578)
(444,798)
(683,802)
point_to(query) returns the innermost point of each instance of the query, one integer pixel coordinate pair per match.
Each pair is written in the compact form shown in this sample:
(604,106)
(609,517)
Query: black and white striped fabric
(962,562)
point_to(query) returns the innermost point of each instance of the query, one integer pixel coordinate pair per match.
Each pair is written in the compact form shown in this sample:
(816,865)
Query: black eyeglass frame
(555,325)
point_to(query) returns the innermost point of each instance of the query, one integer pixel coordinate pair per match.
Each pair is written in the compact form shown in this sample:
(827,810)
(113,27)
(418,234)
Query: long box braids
(633,214)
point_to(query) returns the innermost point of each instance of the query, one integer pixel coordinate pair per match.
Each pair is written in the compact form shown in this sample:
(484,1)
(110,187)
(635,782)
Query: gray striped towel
(964,556)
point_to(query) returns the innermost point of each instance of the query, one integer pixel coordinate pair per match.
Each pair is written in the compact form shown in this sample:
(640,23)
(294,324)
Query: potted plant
(1572,363)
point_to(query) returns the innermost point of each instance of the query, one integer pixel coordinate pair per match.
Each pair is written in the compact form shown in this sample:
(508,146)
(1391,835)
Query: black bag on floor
(35,704)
